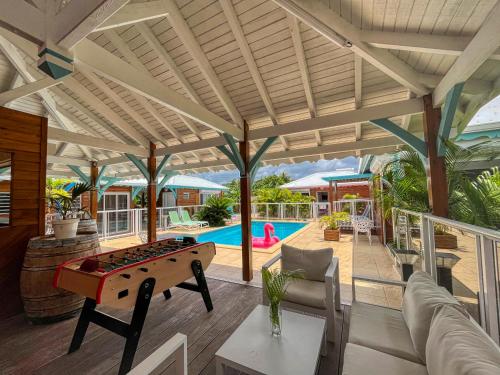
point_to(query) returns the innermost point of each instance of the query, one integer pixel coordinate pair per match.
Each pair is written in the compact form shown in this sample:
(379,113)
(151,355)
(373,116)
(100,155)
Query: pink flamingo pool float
(268,239)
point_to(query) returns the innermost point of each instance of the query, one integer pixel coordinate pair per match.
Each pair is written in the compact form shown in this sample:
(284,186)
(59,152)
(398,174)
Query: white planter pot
(65,228)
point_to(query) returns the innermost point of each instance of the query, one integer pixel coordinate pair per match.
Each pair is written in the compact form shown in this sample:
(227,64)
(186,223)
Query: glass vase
(275,318)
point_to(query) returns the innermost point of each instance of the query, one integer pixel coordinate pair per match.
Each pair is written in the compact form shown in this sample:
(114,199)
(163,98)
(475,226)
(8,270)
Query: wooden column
(437,184)
(245,207)
(152,193)
(330,195)
(93,200)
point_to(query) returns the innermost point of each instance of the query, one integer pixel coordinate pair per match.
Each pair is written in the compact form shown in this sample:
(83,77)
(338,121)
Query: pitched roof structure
(181,72)
(321,179)
(178,182)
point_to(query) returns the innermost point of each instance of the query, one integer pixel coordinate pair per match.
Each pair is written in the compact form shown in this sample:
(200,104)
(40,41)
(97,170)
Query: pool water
(232,235)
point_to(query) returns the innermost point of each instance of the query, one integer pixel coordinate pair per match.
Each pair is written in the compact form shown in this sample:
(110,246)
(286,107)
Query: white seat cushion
(457,346)
(382,329)
(306,292)
(420,300)
(359,360)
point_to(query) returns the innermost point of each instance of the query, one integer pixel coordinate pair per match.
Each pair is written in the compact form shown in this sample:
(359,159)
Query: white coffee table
(252,350)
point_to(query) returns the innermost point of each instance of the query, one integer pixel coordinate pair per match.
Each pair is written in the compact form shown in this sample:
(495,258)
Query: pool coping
(276,246)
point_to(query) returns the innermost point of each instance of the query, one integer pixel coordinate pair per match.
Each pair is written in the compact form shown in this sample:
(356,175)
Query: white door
(168,199)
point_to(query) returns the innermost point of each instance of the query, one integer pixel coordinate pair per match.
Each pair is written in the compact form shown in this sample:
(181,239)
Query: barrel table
(87,225)
(43,303)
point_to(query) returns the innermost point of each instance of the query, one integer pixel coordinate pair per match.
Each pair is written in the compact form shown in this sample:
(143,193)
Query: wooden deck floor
(28,349)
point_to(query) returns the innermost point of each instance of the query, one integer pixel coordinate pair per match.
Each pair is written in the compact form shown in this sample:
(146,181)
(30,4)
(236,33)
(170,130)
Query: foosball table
(130,277)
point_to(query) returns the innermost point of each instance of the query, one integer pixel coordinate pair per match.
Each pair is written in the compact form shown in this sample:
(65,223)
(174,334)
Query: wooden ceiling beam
(241,40)
(94,142)
(187,37)
(130,56)
(481,47)
(77,19)
(105,111)
(415,42)
(112,67)
(101,85)
(339,31)
(134,13)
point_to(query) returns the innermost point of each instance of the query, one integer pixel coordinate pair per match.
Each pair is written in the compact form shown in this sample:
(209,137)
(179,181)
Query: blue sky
(295,171)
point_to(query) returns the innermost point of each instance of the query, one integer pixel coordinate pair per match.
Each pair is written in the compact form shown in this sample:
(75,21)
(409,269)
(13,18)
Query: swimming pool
(232,235)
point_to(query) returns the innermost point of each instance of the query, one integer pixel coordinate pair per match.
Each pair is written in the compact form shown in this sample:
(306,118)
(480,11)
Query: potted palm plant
(63,203)
(331,227)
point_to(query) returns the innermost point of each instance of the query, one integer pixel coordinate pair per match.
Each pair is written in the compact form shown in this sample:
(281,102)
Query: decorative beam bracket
(447,116)
(416,143)
(76,170)
(140,165)
(254,162)
(109,182)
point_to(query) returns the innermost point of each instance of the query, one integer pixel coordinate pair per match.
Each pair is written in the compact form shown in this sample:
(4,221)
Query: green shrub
(215,211)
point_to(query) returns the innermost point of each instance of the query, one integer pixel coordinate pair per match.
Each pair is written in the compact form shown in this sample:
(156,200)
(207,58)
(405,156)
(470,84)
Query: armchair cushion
(307,293)
(314,263)
(457,346)
(420,300)
(359,360)
(382,329)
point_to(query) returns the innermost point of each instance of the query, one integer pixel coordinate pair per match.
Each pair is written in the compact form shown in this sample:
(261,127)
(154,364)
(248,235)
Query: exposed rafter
(105,111)
(134,13)
(94,142)
(101,85)
(186,35)
(482,46)
(27,89)
(329,24)
(79,18)
(427,43)
(304,71)
(235,26)
(130,56)
(112,67)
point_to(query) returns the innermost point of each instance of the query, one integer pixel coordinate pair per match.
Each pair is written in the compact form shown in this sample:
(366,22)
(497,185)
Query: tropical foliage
(331,222)
(474,201)
(215,211)
(64,202)
(268,182)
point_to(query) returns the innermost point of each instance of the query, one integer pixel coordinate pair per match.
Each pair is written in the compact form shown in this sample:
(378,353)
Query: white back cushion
(457,346)
(421,298)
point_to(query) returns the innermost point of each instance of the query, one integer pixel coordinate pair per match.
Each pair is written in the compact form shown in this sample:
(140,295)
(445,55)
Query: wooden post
(245,206)
(152,193)
(330,195)
(437,184)
(93,201)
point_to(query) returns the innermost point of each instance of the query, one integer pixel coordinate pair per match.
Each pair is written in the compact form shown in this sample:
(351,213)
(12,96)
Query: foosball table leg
(82,325)
(199,275)
(167,294)
(201,282)
(135,328)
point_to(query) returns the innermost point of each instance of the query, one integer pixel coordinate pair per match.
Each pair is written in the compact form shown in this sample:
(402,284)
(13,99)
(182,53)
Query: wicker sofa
(432,335)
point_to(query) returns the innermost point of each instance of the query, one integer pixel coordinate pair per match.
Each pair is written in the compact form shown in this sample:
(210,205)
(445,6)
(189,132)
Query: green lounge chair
(187,219)
(176,222)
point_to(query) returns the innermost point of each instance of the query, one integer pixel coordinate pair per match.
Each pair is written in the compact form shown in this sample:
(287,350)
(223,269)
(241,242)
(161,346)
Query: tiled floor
(360,259)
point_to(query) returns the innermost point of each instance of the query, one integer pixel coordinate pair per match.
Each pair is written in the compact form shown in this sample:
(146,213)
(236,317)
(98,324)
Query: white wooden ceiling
(94,105)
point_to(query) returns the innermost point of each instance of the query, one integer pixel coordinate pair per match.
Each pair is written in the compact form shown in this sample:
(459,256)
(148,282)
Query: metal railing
(471,271)
(127,222)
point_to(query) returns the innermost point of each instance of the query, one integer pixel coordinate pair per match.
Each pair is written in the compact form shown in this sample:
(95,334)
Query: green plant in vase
(275,284)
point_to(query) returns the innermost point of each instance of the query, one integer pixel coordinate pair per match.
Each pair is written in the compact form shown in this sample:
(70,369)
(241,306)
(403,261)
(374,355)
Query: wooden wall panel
(25,136)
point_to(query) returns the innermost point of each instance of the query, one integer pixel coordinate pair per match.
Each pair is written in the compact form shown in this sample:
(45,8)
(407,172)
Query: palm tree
(471,201)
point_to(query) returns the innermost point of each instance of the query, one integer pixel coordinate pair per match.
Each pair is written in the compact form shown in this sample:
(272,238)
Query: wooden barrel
(43,303)
(87,225)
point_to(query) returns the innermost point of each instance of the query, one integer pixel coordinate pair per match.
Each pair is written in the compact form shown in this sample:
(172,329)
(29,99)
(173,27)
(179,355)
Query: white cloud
(295,171)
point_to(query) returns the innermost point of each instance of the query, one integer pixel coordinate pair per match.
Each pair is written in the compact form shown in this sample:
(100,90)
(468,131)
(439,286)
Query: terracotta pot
(332,234)
(445,241)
